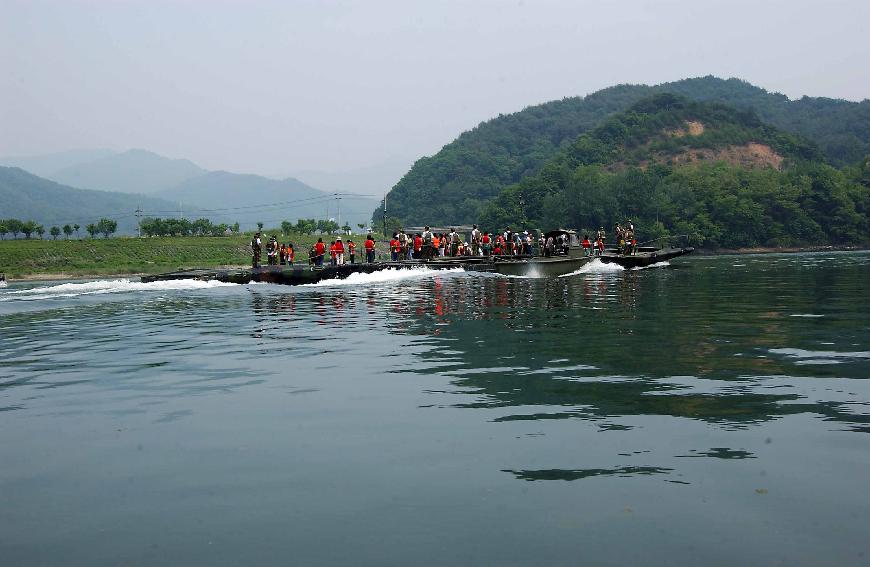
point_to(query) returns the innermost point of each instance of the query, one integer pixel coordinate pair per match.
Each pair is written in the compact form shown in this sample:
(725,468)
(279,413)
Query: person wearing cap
(339,252)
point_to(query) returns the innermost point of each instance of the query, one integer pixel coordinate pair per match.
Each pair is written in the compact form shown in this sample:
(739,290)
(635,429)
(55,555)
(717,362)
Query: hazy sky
(270,87)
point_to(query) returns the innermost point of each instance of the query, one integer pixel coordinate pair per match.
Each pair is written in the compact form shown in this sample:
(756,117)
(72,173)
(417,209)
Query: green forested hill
(453,185)
(679,167)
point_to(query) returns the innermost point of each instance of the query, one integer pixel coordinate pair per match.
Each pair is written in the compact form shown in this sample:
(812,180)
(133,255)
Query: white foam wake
(663,264)
(100,287)
(596,266)
(383,276)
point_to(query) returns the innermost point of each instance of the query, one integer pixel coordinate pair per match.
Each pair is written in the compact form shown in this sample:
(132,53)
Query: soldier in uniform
(257,249)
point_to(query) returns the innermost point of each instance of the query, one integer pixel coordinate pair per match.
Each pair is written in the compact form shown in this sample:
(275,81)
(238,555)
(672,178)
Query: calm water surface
(715,411)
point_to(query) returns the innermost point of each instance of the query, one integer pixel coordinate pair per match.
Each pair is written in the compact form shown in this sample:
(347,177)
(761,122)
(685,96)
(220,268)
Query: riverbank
(779,250)
(29,260)
(126,257)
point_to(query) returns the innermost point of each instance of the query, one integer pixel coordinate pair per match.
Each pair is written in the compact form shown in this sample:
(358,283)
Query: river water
(715,411)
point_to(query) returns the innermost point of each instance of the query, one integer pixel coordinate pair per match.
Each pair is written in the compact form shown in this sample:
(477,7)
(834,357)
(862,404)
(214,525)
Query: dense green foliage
(716,204)
(453,185)
(184,227)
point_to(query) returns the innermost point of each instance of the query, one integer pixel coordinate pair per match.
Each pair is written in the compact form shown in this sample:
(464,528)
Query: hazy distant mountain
(28,197)
(373,180)
(248,199)
(133,171)
(48,164)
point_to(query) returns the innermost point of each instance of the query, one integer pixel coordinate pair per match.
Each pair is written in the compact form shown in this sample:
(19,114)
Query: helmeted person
(257,250)
(272,251)
(427,243)
(319,252)
(475,240)
(454,242)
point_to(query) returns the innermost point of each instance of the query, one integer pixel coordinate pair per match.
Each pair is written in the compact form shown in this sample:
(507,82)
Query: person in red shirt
(370,249)
(486,243)
(587,246)
(497,250)
(395,247)
(319,252)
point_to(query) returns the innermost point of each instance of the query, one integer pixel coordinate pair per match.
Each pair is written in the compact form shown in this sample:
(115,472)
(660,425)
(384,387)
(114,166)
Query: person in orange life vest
(436,244)
(600,245)
(291,254)
(395,247)
(339,251)
(587,246)
(370,248)
(319,252)
(332,252)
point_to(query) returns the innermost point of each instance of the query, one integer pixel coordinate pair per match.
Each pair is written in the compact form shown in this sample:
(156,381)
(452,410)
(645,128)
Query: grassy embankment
(116,256)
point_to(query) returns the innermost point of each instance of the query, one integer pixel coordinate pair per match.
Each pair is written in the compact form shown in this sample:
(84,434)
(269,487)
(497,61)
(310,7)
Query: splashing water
(596,266)
(100,287)
(383,276)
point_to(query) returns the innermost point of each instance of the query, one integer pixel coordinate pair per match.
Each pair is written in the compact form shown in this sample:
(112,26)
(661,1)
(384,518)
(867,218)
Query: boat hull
(536,267)
(540,267)
(644,258)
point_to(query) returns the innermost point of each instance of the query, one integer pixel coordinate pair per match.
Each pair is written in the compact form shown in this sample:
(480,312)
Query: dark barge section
(297,274)
(300,274)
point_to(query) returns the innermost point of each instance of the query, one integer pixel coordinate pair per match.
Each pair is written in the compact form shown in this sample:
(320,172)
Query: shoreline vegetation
(49,260)
(37,259)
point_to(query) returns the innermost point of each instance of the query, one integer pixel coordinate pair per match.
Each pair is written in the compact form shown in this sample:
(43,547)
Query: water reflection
(565,474)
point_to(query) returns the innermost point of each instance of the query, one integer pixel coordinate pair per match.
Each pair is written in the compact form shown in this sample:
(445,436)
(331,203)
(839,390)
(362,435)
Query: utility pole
(338,198)
(138,213)
(385,215)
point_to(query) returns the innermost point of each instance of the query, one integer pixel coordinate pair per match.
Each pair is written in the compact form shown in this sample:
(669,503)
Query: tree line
(310,226)
(717,204)
(28,228)
(184,227)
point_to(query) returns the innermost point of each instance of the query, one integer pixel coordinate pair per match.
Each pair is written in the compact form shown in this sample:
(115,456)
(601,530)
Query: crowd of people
(277,253)
(428,244)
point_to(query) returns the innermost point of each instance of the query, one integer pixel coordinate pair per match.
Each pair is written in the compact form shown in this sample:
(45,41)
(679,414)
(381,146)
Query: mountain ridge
(29,197)
(795,198)
(131,171)
(475,166)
